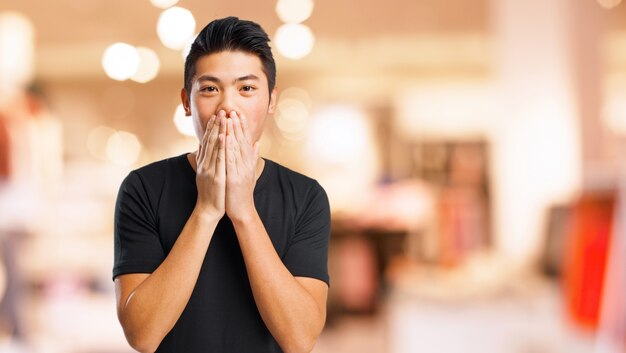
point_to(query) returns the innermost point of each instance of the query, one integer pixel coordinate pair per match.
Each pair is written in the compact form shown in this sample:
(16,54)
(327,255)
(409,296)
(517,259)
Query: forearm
(287,309)
(153,308)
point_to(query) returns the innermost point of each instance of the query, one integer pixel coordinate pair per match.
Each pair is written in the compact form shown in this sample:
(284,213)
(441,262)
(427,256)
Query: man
(220,250)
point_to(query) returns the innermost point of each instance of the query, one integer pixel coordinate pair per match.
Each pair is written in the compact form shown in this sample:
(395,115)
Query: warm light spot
(163,4)
(97,141)
(340,153)
(294,41)
(609,4)
(175,27)
(120,61)
(294,11)
(298,94)
(148,65)
(292,116)
(123,148)
(16,52)
(183,123)
(338,134)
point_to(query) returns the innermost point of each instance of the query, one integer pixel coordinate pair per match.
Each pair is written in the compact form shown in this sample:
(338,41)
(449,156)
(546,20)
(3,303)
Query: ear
(184,97)
(272,105)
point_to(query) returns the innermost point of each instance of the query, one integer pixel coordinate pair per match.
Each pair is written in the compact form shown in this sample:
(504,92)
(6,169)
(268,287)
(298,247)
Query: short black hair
(231,34)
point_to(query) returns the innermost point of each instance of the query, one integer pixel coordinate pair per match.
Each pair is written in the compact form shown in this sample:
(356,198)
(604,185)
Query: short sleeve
(136,239)
(307,255)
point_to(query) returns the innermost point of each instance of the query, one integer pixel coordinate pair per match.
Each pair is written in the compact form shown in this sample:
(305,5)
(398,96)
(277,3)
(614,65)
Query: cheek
(257,122)
(199,123)
(201,112)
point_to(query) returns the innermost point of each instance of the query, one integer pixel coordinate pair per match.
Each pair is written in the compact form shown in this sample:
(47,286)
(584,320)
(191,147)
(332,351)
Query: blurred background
(474,154)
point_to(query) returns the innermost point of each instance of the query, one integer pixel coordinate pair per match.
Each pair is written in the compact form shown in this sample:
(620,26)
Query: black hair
(231,33)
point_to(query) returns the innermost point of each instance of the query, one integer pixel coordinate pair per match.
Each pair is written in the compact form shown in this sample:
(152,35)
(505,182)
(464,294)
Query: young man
(220,250)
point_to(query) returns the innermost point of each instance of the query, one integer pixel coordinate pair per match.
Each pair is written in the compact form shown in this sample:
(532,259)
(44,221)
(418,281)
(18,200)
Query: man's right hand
(211,167)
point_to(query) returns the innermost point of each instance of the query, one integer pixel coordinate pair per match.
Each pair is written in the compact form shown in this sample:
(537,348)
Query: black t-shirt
(153,205)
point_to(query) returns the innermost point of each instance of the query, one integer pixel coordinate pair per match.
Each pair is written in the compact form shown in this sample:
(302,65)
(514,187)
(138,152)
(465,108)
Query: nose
(227,103)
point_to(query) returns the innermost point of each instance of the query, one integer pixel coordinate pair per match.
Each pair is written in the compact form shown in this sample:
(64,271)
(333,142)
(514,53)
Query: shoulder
(307,192)
(300,183)
(159,169)
(156,172)
(150,179)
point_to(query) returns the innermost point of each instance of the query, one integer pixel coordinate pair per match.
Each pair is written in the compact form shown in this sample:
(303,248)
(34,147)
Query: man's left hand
(241,161)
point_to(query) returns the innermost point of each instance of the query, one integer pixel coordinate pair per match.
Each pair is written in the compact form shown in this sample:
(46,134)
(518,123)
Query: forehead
(227,65)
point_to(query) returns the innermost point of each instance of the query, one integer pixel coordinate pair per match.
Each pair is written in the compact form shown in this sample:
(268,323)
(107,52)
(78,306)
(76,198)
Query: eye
(209,89)
(248,88)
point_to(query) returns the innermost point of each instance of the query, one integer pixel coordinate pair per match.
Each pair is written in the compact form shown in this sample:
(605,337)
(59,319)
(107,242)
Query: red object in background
(585,257)
(356,278)
(4,151)
(463,224)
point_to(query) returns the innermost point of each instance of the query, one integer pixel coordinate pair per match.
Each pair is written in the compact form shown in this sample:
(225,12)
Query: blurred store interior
(474,154)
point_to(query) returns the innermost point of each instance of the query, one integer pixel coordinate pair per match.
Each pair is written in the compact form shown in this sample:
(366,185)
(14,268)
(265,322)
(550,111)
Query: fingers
(220,167)
(240,153)
(219,156)
(214,139)
(238,145)
(231,158)
(238,129)
(234,157)
(245,128)
(202,150)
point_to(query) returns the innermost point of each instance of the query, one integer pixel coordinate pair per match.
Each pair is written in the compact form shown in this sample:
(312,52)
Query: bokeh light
(187,47)
(120,61)
(183,123)
(338,134)
(609,4)
(299,94)
(294,41)
(16,51)
(294,11)
(123,148)
(175,27)
(292,117)
(148,67)
(97,141)
(163,4)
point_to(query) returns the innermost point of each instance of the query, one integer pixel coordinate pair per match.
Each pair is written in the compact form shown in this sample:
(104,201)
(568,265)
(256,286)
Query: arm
(292,308)
(148,305)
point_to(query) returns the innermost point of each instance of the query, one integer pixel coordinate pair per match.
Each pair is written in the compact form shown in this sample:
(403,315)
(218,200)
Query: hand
(241,161)
(211,168)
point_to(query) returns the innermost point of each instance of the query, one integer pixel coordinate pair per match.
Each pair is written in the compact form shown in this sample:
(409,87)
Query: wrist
(207,214)
(243,216)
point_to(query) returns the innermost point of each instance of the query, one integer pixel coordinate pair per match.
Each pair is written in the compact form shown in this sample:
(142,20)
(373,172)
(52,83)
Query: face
(229,80)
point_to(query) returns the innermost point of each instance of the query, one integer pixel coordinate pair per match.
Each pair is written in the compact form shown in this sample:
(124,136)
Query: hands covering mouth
(226,166)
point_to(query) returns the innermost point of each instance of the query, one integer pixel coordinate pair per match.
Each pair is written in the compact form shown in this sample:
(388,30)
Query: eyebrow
(217,80)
